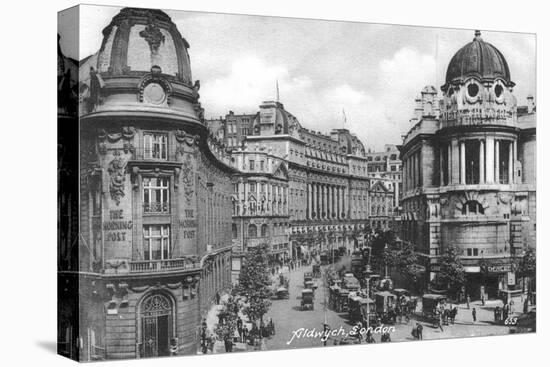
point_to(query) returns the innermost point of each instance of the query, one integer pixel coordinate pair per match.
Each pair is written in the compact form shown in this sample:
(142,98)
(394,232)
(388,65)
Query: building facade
(302,191)
(469,172)
(155,190)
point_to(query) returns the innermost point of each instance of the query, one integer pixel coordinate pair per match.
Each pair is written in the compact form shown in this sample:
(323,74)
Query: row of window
(253,230)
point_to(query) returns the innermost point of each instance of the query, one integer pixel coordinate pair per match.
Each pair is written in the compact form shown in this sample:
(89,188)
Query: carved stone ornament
(183,137)
(153,36)
(116,170)
(188,178)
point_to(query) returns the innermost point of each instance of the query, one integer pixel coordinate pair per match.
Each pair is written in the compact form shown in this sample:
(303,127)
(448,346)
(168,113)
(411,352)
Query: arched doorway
(157,317)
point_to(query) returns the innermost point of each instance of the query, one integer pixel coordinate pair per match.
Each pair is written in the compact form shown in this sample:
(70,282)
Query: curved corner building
(155,192)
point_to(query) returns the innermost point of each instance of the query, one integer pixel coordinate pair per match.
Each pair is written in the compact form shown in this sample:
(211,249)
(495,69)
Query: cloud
(378,116)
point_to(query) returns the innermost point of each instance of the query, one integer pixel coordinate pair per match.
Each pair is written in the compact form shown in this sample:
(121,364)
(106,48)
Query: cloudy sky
(372,71)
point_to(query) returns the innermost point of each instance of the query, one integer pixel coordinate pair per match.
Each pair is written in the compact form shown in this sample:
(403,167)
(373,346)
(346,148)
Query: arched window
(472,207)
(265,230)
(233,230)
(252,230)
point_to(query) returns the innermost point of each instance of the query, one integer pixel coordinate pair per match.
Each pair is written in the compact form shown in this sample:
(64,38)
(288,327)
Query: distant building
(469,172)
(302,191)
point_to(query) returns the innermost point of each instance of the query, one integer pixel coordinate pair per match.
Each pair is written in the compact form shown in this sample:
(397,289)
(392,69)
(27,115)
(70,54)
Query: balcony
(156,208)
(157,266)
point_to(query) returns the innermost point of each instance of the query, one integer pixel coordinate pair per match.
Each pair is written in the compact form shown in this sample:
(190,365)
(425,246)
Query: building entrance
(156,323)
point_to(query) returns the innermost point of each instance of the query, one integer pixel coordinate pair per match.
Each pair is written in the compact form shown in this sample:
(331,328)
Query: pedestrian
(468,301)
(240,328)
(483,299)
(419,329)
(441,321)
(525,305)
(217,298)
(474,314)
(496,314)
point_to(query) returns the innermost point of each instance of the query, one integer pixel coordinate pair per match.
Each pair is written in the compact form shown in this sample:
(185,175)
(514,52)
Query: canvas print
(232,183)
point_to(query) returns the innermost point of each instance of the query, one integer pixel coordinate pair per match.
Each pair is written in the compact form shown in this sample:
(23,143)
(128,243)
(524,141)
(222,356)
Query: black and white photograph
(288,183)
(278,183)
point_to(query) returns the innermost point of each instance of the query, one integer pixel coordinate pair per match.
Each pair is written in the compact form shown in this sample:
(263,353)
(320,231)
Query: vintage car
(350,282)
(362,309)
(431,303)
(385,303)
(310,284)
(342,296)
(308,277)
(282,293)
(307,300)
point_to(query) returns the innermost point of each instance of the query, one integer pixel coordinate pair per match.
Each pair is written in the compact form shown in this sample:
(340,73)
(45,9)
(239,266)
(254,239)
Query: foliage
(451,272)
(228,314)
(527,266)
(255,282)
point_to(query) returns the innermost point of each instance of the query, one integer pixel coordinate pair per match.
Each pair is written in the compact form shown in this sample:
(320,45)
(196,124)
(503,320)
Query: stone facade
(469,172)
(154,245)
(310,191)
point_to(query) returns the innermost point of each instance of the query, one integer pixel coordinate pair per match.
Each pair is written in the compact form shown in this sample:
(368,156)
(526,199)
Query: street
(289,319)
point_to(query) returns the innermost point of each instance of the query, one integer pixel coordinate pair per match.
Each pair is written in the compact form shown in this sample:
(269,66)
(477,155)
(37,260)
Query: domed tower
(478,100)
(478,88)
(143,64)
(155,190)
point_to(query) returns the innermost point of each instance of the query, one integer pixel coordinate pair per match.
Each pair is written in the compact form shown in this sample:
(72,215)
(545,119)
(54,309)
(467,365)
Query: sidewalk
(212,322)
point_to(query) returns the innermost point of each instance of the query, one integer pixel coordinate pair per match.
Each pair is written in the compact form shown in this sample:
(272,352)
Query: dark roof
(478,59)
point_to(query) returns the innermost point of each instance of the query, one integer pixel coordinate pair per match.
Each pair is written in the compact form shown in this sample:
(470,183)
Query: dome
(478,59)
(138,39)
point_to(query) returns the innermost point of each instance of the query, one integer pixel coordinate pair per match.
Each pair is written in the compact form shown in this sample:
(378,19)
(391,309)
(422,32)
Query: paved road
(289,318)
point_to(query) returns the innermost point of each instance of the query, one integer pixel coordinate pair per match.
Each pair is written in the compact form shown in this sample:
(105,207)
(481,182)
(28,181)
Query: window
(156,195)
(156,146)
(472,161)
(445,164)
(476,253)
(253,187)
(503,164)
(261,165)
(251,165)
(252,230)
(265,230)
(469,252)
(473,90)
(233,230)
(472,207)
(156,242)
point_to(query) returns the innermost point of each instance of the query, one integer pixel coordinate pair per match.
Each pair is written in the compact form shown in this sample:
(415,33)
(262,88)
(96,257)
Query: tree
(527,266)
(255,282)
(451,271)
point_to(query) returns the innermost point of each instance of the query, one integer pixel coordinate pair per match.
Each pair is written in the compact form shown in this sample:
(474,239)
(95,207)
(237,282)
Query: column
(329,209)
(456,161)
(346,210)
(308,214)
(314,200)
(441,178)
(340,201)
(462,162)
(481,162)
(326,201)
(449,164)
(490,160)
(497,161)
(510,163)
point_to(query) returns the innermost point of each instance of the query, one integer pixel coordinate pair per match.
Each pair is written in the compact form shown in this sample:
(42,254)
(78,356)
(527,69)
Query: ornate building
(299,190)
(469,172)
(155,197)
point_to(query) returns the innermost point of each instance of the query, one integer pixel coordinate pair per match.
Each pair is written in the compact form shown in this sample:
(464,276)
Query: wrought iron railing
(156,208)
(141,266)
